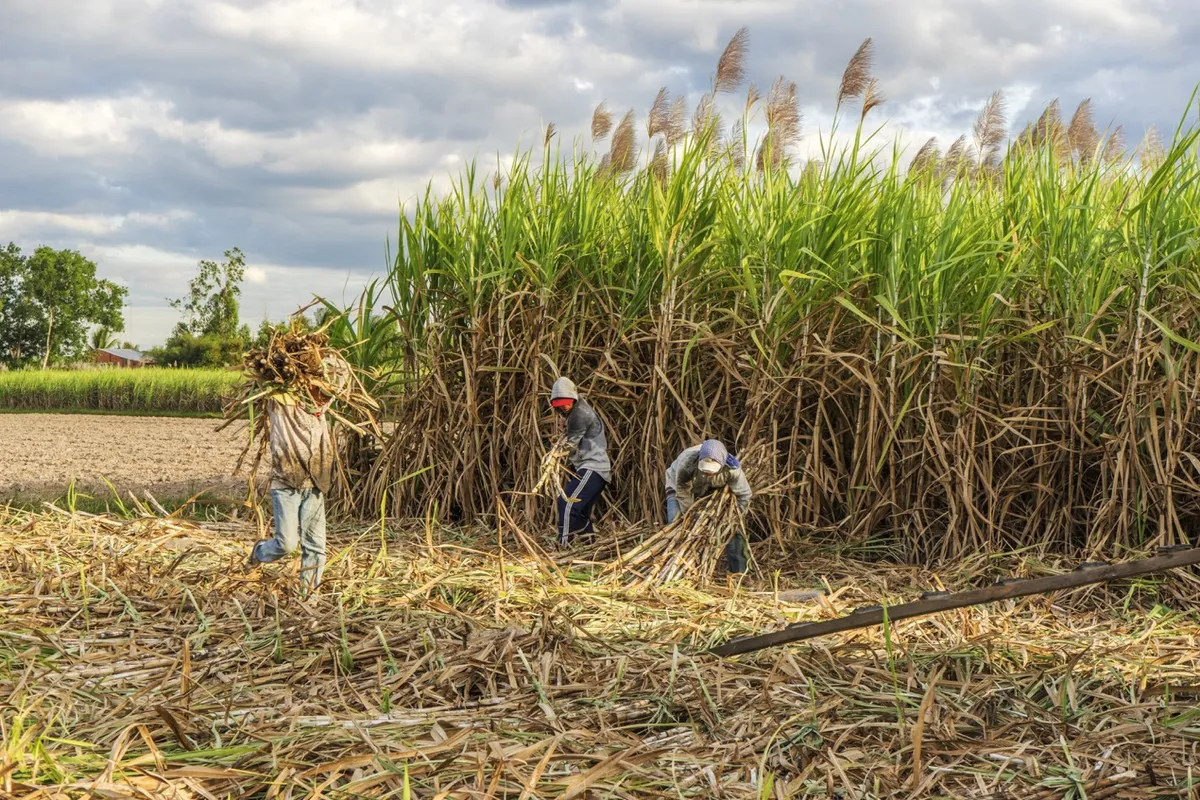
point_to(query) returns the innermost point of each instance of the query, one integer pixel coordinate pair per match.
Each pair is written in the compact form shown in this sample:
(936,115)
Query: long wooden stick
(1082,576)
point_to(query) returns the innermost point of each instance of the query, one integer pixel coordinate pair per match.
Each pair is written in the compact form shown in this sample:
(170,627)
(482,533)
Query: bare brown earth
(171,458)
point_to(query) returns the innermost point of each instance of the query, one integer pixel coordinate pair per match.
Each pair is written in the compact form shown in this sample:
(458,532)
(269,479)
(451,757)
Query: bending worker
(698,472)
(587,449)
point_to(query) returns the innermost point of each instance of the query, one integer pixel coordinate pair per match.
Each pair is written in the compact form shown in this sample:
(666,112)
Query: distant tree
(48,301)
(185,350)
(263,335)
(210,333)
(16,324)
(211,306)
(103,339)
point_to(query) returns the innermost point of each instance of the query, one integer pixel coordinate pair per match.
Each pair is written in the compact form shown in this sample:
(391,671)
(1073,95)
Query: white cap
(710,466)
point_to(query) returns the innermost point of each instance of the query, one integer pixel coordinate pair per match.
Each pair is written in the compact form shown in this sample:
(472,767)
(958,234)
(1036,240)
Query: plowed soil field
(41,453)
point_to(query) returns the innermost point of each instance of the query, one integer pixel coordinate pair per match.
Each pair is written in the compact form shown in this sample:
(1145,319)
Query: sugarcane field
(661,463)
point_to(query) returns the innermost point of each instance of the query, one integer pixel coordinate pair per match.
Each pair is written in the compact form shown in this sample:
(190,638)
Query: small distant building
(120,357)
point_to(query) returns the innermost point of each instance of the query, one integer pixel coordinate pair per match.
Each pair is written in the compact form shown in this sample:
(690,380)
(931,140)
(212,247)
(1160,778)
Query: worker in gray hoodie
(588,457)
(698,472)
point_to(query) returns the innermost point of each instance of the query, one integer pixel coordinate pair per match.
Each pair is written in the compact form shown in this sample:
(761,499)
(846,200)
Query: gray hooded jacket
(585,433)
(688,483)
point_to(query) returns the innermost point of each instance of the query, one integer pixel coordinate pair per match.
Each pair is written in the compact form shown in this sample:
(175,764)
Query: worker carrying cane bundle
(698,472)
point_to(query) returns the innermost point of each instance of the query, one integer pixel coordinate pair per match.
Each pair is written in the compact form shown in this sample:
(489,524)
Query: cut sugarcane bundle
(554,467)
(687,549)
(303,366)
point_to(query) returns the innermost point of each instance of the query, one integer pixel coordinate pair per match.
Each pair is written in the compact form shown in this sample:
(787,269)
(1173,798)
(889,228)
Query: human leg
(735,554)
(286,506)
(592,486)
(312,539)
(574,511)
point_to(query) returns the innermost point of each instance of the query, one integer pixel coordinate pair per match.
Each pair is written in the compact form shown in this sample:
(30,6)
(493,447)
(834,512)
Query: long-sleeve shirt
(685,479)
(587,442)
(301,446)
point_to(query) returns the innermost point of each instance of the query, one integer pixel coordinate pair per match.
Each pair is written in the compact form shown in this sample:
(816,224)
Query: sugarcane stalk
(687,548)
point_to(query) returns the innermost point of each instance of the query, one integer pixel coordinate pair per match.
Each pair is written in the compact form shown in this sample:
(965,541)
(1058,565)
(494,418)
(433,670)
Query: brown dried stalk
(659,119)
(705,115)
(1151,152)
(690,548)
(957,161)
(553,468)
(926,158)
(1114,148)
(872,97)
(737,145)
(659,168)
(783,125)
(752,97)
(706,122)
(550,131)
(294,363)
(1049,130)
(466,662)
(1082,136)
(677,125)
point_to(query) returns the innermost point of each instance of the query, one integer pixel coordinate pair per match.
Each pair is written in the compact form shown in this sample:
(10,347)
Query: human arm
(679,482)
(578,422)
(740,488)
(672,507)
(682,470)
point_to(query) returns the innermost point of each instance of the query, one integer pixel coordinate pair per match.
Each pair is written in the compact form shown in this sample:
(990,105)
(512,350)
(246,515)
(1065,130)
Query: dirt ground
(171,458)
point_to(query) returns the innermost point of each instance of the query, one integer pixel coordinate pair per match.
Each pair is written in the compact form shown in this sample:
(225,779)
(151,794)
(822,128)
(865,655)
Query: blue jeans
(299,521)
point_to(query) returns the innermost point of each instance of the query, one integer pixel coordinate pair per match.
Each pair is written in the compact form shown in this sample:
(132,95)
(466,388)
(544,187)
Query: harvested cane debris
(134,662)
(690,548)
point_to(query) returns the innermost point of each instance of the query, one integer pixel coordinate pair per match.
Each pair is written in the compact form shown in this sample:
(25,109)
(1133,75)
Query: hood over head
(564,389)
(712,450)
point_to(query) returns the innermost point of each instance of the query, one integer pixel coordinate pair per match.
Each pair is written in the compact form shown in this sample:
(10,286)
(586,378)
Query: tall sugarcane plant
(991,345)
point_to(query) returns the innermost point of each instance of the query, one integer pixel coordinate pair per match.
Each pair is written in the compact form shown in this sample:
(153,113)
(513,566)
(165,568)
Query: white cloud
(17,223)
(82,128)
(79,127)
(157,133)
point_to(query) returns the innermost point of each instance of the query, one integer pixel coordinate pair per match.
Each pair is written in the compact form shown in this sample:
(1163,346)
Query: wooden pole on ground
(1007,590)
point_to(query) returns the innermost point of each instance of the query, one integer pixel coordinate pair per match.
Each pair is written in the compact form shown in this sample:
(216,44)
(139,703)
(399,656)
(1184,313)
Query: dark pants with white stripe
(576,517)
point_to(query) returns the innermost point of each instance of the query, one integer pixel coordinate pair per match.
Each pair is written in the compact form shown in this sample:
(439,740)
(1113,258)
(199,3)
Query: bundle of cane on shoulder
(687,549)
(296,363)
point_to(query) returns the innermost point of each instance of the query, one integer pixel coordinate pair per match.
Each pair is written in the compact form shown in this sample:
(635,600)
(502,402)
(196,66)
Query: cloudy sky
(152,133)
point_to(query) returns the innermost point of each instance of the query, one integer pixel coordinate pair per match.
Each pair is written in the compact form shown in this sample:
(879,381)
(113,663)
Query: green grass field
(149,391)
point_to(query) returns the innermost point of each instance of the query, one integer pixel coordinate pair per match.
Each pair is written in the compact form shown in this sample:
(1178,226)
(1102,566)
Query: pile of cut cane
(690,548)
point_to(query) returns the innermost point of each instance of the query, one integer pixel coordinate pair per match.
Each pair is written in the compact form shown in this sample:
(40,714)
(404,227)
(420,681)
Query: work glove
(672,507)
